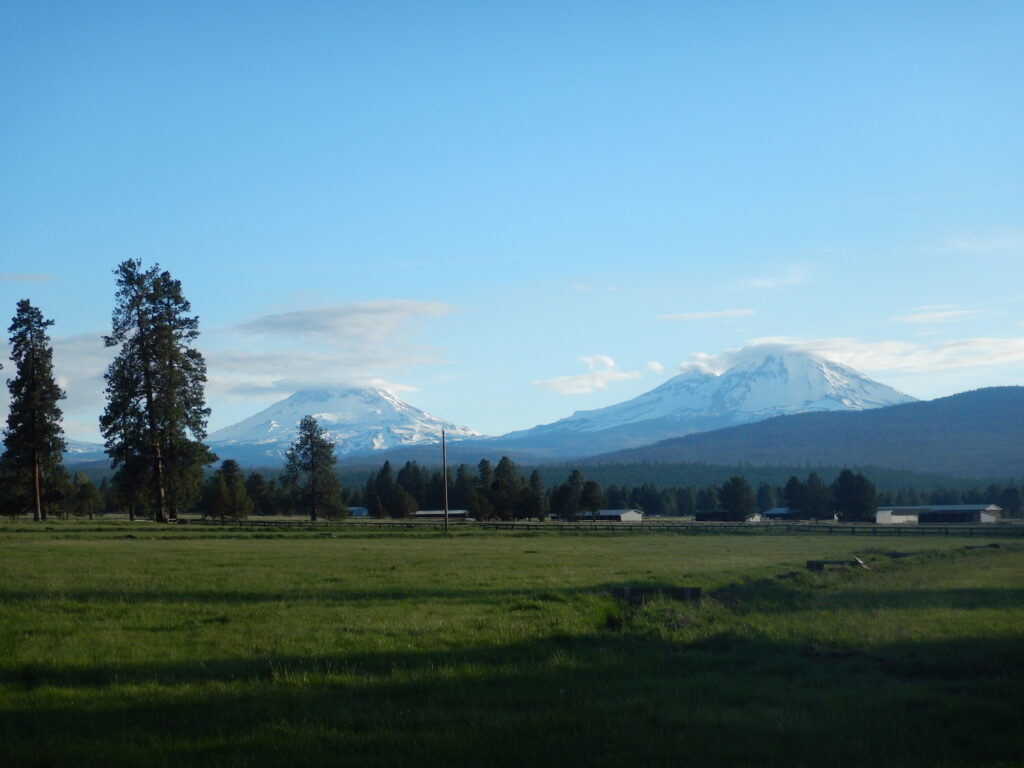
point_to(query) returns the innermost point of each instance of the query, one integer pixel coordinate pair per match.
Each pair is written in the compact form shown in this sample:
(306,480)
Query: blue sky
(510,211)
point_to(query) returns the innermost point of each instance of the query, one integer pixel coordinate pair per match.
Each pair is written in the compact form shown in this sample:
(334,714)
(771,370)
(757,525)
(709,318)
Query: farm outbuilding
(897,516)
(617,515)
(939,514)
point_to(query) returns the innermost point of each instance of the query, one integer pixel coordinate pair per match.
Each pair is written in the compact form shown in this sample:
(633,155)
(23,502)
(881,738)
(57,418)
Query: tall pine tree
(230,497)
(737,499)
(854,497)
(310,470)
(156,411)
(34,439)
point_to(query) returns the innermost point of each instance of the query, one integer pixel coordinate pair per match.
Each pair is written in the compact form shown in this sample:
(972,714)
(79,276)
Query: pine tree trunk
(39,513)
(158,472)
(313,496)
(154,441)
(37,491)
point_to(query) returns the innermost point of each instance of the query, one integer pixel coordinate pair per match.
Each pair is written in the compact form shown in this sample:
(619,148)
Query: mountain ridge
(970,434)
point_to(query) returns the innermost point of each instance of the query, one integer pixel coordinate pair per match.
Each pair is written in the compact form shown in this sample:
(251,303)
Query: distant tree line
(851,496)
(1009,497)
(487,491)
(504,492)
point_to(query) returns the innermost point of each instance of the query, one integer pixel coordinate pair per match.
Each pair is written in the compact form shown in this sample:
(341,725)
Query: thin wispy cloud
(339,323)
(343,345)
(655,367)
(1005,241)
(937,314)
(237,375)
(602,372)
(598,362)
(715,315)
(794,276)
(282,387)
(24,277)
(891,356)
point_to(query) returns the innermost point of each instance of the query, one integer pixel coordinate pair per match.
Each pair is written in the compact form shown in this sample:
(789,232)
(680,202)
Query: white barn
(939,514)
(897,516)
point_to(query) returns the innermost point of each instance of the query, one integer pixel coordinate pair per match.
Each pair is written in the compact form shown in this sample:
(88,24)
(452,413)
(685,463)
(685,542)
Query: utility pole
(444,478)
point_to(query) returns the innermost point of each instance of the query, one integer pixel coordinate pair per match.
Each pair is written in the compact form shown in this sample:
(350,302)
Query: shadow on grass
(775,596)
(766,595)
(315,593)
(603,698)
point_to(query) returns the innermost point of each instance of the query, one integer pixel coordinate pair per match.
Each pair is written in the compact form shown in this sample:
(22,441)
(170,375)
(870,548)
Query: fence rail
(820,529)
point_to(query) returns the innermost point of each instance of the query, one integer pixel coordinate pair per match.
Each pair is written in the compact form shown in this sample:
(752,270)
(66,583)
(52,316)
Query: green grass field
(126,645)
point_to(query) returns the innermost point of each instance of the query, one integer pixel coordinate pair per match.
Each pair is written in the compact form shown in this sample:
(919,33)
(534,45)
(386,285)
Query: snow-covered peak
(762,383)
(795,382)
(356,419)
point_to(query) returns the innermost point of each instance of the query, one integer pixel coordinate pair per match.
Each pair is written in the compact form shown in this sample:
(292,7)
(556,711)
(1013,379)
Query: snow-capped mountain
(357,420)
(83,452)
(762,382)
(81,447)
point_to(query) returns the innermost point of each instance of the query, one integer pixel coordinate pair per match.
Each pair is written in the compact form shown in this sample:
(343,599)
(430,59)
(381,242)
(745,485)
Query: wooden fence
(653,526)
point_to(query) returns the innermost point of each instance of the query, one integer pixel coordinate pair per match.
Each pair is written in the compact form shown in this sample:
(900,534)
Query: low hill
(972,434)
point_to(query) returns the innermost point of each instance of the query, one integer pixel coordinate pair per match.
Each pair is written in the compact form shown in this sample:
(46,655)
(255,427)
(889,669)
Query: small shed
(897,516)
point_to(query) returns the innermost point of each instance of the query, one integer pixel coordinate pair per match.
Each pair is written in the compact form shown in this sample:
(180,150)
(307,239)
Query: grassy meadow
(123,645)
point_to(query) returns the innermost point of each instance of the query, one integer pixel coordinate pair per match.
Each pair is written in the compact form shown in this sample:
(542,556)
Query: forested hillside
(973,434)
